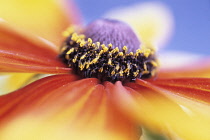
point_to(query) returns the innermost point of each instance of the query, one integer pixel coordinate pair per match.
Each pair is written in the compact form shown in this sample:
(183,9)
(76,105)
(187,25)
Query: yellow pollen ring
(129,64)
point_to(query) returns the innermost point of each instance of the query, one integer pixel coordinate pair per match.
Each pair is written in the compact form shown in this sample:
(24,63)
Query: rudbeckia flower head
(110,51)
(105,86)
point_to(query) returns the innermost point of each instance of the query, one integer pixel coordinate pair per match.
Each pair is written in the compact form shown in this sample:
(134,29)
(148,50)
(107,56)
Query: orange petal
(153,107)
(46,18)
(197,69)
(193,88)
(62,108)
(21,52)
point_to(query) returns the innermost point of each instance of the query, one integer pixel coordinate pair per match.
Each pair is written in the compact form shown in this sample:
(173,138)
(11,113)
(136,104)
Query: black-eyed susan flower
(107,85)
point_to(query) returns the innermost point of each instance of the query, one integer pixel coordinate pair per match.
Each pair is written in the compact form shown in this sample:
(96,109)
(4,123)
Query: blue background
(192,20)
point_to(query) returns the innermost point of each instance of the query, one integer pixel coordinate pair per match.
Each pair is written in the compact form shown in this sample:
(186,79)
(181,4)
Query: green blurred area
(149,135)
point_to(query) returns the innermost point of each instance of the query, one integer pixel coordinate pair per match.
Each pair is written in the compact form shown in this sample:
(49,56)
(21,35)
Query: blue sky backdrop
(192,20)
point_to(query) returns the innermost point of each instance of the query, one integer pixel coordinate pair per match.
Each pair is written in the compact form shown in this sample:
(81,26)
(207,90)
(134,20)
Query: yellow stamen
(70,51)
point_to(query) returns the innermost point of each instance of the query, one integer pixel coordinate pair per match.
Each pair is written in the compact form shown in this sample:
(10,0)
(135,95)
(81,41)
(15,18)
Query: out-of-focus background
(192,20)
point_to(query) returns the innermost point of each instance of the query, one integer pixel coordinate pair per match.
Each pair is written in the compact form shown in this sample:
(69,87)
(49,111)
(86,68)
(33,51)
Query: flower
(66,106)
(49,24)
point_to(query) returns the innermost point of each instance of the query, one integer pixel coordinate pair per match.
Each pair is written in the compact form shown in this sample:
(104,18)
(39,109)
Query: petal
(199,68)
(62,108)
(173,61)
(21,52)
(194,88)
(152,21)
(157,110)
(44,18)
(12,81)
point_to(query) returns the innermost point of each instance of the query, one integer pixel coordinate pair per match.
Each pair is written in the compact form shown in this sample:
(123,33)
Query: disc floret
(105,62)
